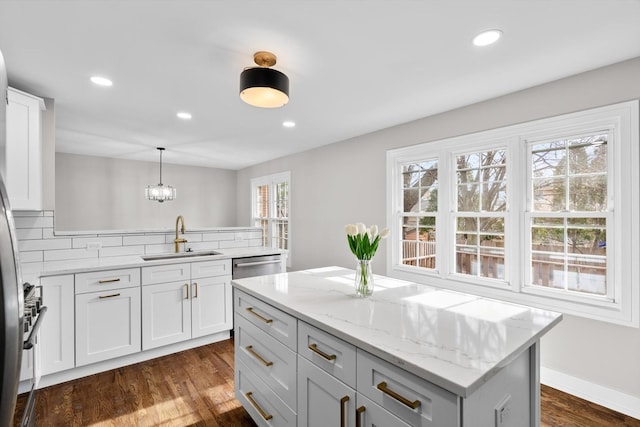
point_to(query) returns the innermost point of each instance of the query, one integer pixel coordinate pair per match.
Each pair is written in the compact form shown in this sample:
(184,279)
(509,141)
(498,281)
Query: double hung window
(270,209)
(544,213)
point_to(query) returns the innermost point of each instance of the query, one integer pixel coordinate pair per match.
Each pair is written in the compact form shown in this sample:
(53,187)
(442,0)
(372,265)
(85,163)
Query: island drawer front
(253,393)
(434,406)
(373,415)
(166,273)
(97,281)
(328,352)
(221,267)
(269,359)
(274,322)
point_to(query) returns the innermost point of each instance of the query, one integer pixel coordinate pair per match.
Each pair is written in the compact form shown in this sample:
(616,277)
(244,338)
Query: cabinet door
(211,305)
(370,414)
(107,325)
(166,314)
(57,332)
(23,151)
(323,400)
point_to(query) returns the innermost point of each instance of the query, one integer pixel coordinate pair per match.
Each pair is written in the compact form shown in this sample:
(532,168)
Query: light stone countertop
(32,271)
(454,340)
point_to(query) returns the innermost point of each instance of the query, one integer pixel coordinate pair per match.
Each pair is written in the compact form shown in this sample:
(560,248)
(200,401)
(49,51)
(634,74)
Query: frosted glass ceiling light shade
(160,192)
(262,86)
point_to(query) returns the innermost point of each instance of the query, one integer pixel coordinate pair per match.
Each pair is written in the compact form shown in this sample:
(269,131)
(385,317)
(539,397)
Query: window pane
(586,157)
(420,187)
(587,236)
(262,201)
(482,181)
(494,196)
(585,274)
(282,200)
(467,224)
(480,251)
(280,238)
(588,193)
(549,195)
(468,198)
(548,159)
(419,242)
(547,270)
(492,262)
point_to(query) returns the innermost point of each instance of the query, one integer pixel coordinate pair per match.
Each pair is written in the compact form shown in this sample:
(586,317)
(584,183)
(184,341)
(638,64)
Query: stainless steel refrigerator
(11,290)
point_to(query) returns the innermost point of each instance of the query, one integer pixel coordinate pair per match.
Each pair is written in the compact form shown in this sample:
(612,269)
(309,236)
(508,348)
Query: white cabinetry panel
(166,314)
(57,331)
(211,305)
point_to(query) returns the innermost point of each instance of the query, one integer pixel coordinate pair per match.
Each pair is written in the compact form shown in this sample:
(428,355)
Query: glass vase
(364,278)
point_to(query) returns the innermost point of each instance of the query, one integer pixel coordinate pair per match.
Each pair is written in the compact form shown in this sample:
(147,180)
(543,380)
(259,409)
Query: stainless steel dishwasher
(256,266)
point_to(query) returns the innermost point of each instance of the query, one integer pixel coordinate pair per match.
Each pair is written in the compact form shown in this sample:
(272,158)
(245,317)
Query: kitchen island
(309,352)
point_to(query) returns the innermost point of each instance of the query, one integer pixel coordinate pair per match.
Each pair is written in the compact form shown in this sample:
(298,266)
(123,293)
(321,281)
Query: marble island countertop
(31,271)
(457,341)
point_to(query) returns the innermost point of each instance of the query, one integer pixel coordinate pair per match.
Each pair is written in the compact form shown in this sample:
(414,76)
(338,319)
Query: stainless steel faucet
(178,240)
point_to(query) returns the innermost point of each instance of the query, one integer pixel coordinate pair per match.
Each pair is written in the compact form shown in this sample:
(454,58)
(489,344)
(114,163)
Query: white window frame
(623,221)
(272,180)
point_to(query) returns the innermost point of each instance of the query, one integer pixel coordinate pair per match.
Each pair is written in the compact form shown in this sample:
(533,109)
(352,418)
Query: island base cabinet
(323,400)
(57,332)
(107,325)
(264,406)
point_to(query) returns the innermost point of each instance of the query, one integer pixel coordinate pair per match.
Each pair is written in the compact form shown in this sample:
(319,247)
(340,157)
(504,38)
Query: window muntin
(271,209)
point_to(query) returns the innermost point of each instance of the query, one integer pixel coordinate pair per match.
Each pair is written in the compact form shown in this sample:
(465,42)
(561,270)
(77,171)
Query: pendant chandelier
(160,192)
(262,86)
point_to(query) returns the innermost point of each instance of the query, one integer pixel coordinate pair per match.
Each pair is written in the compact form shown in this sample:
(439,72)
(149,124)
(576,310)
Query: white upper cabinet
(21,162)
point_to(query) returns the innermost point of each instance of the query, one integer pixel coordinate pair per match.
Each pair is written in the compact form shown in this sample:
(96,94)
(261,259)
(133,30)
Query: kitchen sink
(179,255)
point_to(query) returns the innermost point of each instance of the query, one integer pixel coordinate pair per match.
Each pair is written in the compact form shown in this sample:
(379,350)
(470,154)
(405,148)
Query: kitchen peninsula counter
(455,341)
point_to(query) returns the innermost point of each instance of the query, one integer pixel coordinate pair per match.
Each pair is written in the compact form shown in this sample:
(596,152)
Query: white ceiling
(355,66)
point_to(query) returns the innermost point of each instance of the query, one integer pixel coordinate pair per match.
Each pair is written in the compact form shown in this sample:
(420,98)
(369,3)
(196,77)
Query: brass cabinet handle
(359,415)
(108,280)
(383,388)
(343,412)
(315,349)
(264,319)
(195,293)
(264,415)
(108,296)
(257,356)
(186,286)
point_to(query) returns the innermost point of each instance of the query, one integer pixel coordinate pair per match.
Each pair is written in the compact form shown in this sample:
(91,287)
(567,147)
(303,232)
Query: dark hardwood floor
(195,388)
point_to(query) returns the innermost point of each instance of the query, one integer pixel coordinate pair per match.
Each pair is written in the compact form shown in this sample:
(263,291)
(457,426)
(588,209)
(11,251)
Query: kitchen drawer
(372,415)
(260,401)
(330,353)
(98,281)
(219,267)
(269,359)
(433,406)
(166,273)
(274,322)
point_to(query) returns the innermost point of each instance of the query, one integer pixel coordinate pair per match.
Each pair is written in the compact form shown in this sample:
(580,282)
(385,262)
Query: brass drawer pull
(343,412)
(359,416)
(186,286)
(108,296)
(383,388)
(257,356)
(315,349)
(195,293)
(264,319)
(264,415)
(108,280)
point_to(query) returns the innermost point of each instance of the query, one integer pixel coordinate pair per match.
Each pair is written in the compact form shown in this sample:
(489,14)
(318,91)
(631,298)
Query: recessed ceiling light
(184,115)
(487,37)
(101,81)
(289,124)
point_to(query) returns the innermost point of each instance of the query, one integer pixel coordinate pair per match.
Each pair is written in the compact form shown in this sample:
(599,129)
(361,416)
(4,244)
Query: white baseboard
(604,396)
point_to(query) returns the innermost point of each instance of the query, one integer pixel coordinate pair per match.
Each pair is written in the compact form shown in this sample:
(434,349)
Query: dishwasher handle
(253,264)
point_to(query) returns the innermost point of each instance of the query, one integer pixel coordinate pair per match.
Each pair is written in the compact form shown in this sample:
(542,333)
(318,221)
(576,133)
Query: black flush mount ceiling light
(160,192)
(262,86)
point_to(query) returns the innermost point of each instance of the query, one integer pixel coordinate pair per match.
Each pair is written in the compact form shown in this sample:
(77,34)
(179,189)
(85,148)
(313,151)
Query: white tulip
(384,233)
(373,231)
(361,228)
(351,229)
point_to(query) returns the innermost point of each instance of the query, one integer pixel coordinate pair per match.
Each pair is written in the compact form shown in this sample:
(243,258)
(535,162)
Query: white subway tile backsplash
(27,213)
(158,249)
(121,251)
(45,244)
(202,246)
(225,244)
(64,254)
(47,213)
(47,233)
(31,256)
(33,222)
(191,237)
(217,236)
(81,242)
(29,233)
(255,242)
(150,239)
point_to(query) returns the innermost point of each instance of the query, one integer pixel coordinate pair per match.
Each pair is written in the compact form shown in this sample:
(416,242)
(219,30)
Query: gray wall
(97,193)
(331,187)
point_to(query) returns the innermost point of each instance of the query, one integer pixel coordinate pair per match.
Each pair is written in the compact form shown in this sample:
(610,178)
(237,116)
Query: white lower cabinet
(194,306)
(57,331)
(369,414)
(323,399)
(107,325)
